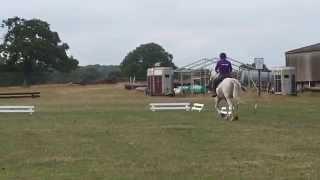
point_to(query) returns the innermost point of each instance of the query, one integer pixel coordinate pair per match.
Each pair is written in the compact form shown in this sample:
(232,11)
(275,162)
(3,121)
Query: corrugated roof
(314,47)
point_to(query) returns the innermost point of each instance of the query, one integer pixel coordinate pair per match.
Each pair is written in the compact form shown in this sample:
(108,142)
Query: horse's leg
(220,115)
(217,101)
(231,107)
(235,109)
(236,101)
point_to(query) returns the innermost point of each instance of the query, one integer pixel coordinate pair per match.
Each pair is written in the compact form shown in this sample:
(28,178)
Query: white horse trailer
(284,80)
(160,81)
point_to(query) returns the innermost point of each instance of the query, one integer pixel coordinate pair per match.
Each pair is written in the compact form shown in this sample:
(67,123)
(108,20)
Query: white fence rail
(197,107)
(225,111)
(17,109)
(170,106)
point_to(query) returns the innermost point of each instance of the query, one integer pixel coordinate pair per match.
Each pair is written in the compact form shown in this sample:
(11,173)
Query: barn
(306,61)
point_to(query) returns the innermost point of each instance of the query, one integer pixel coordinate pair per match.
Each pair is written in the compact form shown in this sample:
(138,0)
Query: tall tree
(139,60)
(30,46)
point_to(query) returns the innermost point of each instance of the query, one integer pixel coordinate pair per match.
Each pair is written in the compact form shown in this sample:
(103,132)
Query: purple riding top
(223,67)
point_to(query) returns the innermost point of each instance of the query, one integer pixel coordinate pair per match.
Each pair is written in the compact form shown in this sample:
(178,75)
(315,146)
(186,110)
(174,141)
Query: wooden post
(259,89)
(181,80)
(259,62)
(191,82)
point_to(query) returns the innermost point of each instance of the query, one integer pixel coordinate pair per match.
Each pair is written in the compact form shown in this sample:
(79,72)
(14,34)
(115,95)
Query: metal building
(251,78)
(195,76)
(306,60)
(160,81)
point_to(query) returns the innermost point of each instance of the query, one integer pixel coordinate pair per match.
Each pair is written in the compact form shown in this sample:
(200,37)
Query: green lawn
(105,132)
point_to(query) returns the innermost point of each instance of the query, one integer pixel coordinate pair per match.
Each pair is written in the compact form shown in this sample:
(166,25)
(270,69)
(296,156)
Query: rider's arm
(230,66)
(217,67)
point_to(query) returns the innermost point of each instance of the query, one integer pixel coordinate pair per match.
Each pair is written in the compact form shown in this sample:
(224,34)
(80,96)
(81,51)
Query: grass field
(105,132)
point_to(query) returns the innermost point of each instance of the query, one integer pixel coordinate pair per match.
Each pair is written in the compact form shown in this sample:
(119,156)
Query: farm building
(250,78)
(306,60)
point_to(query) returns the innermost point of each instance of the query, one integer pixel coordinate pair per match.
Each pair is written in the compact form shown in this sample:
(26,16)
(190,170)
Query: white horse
(229,89)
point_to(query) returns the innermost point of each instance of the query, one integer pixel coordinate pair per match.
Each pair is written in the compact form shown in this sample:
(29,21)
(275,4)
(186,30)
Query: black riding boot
(216,82)
(214,93)
(214,88)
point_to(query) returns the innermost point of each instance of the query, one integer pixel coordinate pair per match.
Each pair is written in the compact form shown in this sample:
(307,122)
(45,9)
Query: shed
(306,61)
(160,81)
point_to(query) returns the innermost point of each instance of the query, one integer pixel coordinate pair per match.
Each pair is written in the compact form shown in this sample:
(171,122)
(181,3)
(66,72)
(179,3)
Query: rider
(224,69)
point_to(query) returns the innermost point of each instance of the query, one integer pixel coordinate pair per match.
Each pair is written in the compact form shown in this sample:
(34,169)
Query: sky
(104,31)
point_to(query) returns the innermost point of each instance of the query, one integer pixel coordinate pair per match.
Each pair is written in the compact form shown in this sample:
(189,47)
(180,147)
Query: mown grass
(105,132)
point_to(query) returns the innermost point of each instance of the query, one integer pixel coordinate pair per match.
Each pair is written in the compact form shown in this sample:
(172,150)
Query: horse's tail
(237,87)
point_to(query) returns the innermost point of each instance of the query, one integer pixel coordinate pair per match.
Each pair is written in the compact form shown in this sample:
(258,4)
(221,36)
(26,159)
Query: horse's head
(213,75)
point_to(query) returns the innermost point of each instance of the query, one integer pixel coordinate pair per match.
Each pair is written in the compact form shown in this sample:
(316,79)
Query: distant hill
(87,74)
(83,74)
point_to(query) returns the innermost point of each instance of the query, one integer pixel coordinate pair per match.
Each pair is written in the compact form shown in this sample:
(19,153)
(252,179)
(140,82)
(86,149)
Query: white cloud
(104,31)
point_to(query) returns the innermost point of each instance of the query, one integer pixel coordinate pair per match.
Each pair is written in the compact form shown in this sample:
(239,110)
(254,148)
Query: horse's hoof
(234,118)
(221,117)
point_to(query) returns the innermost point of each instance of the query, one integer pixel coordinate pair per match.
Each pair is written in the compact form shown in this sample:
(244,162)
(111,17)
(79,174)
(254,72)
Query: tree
(114,75)
(139,60)
(30,46)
